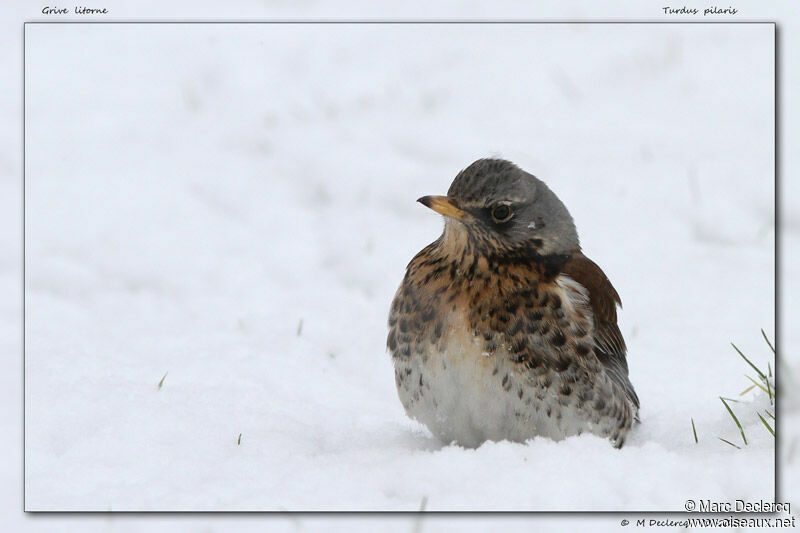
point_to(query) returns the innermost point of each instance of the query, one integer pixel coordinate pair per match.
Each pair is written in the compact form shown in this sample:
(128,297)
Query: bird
(502,329)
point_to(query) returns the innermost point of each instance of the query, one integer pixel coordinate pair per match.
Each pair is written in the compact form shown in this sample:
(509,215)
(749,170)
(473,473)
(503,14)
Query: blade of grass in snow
(418,522)
(730,399)
(694,430)
(771,347)
(161,383)
(769,390)
(760,373)
(728,407)
(765,423)
(759,385)
(729,442)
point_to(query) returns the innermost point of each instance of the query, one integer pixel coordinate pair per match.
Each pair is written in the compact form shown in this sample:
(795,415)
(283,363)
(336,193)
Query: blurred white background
(426,166)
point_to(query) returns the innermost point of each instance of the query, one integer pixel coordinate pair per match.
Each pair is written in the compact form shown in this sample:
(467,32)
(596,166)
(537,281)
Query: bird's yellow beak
(443,205)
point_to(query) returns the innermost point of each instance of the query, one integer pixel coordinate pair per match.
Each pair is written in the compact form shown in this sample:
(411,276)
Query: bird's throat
(474,256)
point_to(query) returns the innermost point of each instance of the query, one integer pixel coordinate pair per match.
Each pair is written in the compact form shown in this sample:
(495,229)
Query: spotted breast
(494,341)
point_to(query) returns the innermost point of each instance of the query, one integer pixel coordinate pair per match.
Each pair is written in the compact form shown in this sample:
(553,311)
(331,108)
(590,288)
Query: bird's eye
(501,213)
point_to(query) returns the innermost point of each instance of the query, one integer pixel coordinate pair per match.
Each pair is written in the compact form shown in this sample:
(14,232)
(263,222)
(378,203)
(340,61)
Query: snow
(195,193)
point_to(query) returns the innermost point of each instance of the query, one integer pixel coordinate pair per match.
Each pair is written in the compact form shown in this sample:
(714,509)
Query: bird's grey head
(505,209)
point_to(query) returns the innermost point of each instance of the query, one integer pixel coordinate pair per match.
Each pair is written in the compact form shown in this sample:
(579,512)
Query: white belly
(467,396)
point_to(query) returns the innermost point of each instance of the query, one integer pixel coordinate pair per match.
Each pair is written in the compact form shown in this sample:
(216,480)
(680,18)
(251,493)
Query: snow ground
(195,192)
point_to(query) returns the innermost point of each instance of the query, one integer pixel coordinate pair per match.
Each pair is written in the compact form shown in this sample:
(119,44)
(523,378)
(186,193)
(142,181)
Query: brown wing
(603,300)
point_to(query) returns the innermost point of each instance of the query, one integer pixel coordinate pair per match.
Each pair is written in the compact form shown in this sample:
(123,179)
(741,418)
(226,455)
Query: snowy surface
(195,193)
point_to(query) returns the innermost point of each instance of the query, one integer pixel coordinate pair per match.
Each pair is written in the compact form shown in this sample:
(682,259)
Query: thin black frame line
(626,514)
(24,447)
(776,247)
(397,22)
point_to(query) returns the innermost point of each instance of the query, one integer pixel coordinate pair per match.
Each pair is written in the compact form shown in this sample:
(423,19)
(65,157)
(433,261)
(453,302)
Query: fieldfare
(502,329)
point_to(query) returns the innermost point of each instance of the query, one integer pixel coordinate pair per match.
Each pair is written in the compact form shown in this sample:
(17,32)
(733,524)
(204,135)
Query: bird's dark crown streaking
(502,329)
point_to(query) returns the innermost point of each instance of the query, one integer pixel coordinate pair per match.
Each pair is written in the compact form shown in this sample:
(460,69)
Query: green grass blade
(759,385)
(418,522)
(760,373)
(765,423)
(770,415)
(730,399)
(769,390)
(771,347)
(729,442)
(739,425)
(423,504)
(161,382)
(694,430)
